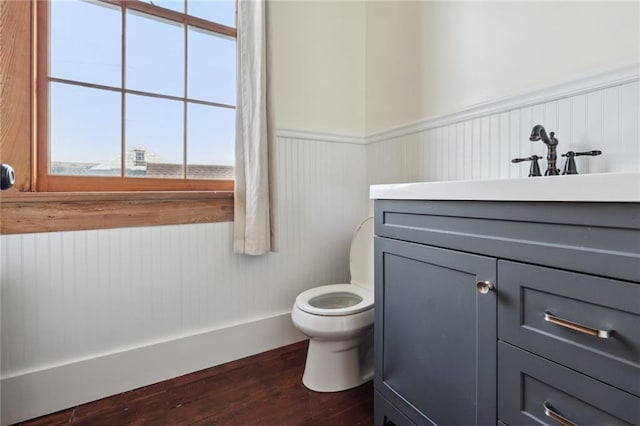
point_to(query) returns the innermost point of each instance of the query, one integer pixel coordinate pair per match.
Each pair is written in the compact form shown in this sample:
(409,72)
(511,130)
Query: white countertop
(603,187)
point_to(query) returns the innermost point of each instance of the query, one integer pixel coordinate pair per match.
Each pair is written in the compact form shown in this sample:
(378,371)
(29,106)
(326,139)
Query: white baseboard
(36,393)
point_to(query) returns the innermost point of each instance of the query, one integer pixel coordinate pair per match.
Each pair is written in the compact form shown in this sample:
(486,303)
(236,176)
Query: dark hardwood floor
(265,389)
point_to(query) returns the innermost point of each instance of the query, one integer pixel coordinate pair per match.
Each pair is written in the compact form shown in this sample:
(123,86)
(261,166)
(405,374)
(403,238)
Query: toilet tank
(361,255)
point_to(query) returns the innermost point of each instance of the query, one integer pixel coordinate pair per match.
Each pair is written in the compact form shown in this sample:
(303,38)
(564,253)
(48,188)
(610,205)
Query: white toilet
(338,318)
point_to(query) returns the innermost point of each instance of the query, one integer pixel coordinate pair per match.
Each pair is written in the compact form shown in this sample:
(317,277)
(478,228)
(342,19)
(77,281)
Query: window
(135,95)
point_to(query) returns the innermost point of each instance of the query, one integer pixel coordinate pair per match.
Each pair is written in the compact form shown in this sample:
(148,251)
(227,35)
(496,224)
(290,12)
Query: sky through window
(86,47)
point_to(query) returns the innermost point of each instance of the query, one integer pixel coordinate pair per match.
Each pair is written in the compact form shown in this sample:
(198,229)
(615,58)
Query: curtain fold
(255,192)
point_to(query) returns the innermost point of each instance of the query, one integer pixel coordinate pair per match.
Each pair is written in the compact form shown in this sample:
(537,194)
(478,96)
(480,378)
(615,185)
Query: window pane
(177,5)
(86,40)
(212,67)
(84,131)
(210,142)
(154,137)
(155,55)
(219,11)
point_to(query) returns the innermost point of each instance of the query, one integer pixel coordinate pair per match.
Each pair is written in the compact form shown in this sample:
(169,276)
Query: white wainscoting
(593,112)
(83,307)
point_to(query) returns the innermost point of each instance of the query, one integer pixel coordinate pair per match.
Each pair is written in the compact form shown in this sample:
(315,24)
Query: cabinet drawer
(593,238)
(536,309)
(526,382)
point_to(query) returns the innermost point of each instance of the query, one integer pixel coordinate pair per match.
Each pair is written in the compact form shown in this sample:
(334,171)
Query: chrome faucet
(538,133)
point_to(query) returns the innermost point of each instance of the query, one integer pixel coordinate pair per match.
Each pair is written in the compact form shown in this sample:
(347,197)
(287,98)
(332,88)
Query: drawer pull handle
(604,334)
(549,412)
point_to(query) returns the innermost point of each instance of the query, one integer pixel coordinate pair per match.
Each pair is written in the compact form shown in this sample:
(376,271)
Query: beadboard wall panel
(482,147)
(68,297)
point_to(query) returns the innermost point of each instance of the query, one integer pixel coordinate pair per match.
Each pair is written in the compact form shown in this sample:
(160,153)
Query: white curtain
(254,203)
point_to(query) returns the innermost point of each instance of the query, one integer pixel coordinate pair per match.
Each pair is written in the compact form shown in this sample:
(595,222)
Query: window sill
(29,212)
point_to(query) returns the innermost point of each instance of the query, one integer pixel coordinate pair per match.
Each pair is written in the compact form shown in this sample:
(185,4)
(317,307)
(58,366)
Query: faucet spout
(539,133)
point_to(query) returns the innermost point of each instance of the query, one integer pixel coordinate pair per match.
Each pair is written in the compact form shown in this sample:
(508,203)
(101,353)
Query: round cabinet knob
(484,287)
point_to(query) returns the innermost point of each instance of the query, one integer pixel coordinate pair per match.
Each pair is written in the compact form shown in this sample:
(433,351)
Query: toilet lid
(361,255)
(335,299)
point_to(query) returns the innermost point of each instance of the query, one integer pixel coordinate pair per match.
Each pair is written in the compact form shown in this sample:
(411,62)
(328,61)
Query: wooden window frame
(65,203)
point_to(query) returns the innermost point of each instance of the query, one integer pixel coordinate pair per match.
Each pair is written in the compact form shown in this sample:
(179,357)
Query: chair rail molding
(309,135)
(580,84)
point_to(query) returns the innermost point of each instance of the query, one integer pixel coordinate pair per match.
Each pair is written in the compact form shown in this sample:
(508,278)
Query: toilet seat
(311,300)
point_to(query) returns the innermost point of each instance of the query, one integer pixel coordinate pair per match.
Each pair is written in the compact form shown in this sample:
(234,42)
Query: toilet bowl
(338,319)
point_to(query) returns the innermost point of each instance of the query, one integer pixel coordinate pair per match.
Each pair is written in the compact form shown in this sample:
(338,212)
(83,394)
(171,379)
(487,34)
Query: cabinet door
(435,350)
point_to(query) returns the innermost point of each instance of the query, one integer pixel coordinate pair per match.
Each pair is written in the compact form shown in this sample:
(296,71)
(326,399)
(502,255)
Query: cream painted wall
(393,66)
(319,65)
(472,52)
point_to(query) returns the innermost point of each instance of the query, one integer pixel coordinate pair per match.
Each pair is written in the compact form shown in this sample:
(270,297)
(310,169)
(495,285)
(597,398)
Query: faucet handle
(534,170)
(578,154)
(570,165)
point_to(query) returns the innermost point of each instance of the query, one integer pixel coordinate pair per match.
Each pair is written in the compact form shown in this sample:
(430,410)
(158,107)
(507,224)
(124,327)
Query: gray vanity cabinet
(508,313)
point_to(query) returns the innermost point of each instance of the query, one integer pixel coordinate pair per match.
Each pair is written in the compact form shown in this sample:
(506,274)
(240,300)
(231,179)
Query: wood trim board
(52,212)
